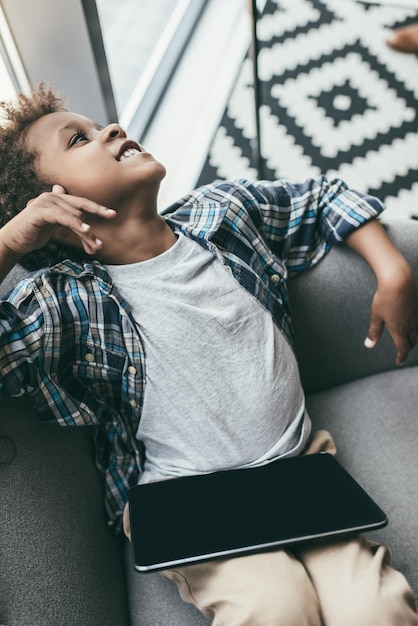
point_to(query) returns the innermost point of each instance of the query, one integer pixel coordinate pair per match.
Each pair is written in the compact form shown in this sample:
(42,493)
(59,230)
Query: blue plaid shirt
(69,340)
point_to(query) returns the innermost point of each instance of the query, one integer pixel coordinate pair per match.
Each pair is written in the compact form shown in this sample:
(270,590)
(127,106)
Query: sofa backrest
(331,314)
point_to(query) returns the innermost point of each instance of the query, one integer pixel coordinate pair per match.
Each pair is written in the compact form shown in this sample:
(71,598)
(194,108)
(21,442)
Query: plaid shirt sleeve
(27,356)
(301,221)
(21,337)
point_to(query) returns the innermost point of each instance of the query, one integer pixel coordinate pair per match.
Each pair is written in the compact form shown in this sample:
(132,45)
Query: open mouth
(129,150)
(127,154)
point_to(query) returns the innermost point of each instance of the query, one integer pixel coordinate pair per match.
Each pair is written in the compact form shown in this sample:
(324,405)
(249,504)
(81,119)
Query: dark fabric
(60,565)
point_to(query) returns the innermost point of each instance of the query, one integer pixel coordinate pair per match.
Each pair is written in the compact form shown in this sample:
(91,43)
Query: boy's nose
(112,131)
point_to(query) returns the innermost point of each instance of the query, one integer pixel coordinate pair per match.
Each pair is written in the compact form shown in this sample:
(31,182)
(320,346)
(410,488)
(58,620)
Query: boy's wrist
(394,272)
(8,259)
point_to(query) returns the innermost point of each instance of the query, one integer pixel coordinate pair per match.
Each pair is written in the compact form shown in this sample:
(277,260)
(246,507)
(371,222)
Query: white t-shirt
(222,383)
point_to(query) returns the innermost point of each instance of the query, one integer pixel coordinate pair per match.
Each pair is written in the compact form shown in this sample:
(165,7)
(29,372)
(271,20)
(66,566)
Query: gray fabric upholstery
(12,279)
(60,566)
(375,426)
(154,600)
(331,314)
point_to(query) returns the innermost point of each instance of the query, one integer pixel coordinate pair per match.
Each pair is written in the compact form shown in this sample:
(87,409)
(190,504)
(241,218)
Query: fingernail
(105,208)
(85,226)
(99,242)
(369,343)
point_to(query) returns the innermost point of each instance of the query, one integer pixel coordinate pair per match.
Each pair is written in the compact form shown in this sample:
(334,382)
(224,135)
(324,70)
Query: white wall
(53,41)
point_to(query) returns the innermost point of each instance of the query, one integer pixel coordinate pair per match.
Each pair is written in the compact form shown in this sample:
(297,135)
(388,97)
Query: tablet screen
(286,502)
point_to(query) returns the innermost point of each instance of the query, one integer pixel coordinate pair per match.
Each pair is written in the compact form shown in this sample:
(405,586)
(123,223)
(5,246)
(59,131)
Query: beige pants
(343,583)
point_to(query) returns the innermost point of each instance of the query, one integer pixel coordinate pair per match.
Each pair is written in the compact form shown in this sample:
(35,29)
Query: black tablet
(235,512)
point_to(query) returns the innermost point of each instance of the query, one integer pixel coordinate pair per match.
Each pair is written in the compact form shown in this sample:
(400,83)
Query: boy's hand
(127,522)
(45,217)
(395,305)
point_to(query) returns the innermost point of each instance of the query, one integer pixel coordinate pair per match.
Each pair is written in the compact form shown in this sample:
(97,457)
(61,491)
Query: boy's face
(93,162)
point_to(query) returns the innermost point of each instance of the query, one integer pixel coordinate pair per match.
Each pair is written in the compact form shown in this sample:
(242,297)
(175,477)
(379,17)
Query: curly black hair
(19,180)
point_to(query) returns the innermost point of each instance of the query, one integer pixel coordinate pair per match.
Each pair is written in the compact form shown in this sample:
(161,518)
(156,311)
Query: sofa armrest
(12,279)
(59,562)
(331,314)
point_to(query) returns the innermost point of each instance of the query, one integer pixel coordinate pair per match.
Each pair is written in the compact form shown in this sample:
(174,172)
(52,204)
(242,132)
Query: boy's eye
(77,138)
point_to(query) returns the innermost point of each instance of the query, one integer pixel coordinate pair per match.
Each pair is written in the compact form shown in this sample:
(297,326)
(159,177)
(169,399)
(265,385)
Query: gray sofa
(59,566)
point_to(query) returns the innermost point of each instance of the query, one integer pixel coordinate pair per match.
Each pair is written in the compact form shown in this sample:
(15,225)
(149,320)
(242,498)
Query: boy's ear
(58,189)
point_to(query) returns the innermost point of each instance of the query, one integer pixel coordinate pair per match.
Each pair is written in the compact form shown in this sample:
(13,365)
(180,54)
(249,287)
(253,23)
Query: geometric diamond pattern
(342,102)
(335,100)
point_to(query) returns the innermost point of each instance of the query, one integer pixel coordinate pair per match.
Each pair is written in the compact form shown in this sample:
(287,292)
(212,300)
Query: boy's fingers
(60,197)
(70,222)
(126,522)
(404,343)
(82,230)
(58,189)
(91,246)
(401,355)
(403,339)
(412,338)
(369,342)
(82,204)
(67,215)
(374,333)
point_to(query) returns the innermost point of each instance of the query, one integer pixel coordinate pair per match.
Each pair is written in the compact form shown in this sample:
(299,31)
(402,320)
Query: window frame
(62,44)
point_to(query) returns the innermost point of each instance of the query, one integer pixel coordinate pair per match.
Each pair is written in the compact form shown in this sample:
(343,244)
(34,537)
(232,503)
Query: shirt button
(133,404)
(132,369)
(89,357)
(275,279)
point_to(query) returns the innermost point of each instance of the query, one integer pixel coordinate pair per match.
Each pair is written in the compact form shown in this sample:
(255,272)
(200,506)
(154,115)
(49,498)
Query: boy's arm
(302,221)
(41,220)
(318,213)
(395,303)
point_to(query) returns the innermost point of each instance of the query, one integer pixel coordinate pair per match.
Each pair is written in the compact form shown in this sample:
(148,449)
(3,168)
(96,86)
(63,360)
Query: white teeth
(129,153)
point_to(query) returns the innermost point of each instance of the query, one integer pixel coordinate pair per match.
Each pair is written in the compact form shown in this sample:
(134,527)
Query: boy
(169,333)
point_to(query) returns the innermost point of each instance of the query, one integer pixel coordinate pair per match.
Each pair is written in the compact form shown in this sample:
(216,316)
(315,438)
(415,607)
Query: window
(163,68)
(12,75)
(144,42)
(7,89)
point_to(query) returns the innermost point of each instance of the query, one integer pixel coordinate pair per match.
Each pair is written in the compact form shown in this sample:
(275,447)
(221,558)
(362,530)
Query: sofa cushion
(155,601)
(374,422)
(60,565)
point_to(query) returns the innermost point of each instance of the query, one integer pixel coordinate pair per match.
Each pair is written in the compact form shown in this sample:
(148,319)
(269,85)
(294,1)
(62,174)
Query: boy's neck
(136,240)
